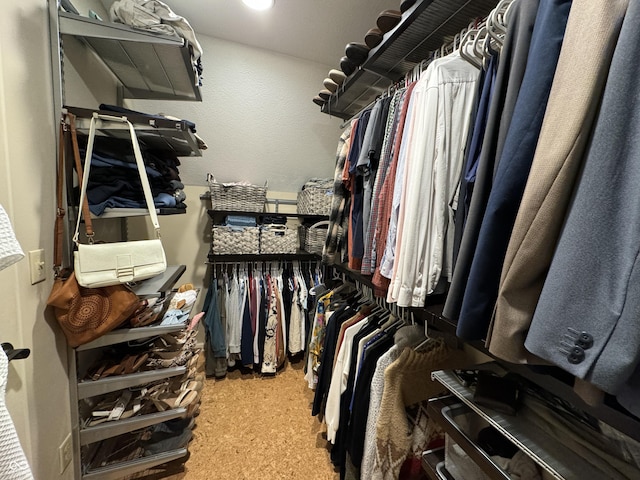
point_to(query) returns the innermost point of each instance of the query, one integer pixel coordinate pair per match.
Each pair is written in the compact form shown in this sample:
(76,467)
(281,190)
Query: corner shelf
(149,66)
(423,29)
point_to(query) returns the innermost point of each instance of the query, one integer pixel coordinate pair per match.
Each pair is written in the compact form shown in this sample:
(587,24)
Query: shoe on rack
(121,406)
(128,364)
(168,399)
(164,442)
(185,287)
(176,358)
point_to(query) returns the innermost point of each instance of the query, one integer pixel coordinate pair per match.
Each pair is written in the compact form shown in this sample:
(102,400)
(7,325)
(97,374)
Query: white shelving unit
(87,388)
(146,66)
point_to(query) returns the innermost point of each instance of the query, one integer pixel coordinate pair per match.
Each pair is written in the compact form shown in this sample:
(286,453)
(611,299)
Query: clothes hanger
(465,44)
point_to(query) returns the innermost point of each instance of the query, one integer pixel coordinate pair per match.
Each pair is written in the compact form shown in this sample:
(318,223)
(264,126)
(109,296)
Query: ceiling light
(259,4)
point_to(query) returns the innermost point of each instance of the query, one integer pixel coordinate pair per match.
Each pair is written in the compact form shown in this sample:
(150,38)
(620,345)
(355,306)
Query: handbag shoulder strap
(88,225)
(146,188)
(58,228)
(58,232)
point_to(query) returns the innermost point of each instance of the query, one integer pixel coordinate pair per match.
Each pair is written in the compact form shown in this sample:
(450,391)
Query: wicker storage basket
(315,198)
(312,238)
(278,239)
(236,197)
(228,241)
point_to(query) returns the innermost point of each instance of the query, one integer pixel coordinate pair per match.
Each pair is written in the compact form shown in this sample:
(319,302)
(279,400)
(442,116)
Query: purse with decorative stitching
(83,314)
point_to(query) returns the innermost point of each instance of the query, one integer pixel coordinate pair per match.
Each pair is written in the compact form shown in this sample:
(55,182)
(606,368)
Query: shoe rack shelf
(91,388)
(79,360)
(423,29)
(111,429)
(148,65)
(122,470)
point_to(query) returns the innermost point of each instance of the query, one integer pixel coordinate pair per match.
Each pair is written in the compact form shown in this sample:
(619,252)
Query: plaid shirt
(369,258)
(337,219)
(380,283)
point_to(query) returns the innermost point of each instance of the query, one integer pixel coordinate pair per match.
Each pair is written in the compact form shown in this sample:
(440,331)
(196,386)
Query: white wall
(257,118)
(259,122)
(38,390)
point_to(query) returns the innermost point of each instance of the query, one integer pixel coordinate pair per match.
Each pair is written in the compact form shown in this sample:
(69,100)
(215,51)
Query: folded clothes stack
(237,222)
(115,183)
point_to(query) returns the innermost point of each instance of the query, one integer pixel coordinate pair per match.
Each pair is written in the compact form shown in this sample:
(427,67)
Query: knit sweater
(407,381)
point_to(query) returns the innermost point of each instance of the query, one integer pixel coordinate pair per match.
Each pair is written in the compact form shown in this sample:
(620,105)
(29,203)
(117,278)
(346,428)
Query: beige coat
(590,38)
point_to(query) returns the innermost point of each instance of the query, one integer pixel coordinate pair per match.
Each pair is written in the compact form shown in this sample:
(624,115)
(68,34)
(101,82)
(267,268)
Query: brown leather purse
(84,314)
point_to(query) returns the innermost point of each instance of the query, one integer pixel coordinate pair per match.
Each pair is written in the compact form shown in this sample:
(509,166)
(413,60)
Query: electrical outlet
(66,453)
(36,266)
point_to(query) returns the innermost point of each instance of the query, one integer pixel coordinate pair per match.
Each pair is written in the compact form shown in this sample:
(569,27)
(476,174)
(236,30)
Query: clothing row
(372,384)
(396,182)
(255,317)
(511,185)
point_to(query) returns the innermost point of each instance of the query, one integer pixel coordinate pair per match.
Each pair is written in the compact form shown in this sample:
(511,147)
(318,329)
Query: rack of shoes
(138,390)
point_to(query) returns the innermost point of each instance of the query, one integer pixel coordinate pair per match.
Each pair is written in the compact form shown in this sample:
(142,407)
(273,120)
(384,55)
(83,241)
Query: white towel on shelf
(10,250)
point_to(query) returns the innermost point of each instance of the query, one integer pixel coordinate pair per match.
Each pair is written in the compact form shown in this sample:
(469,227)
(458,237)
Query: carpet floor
(257,427)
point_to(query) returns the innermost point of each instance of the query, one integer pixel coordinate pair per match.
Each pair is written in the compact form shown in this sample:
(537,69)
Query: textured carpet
(255,427)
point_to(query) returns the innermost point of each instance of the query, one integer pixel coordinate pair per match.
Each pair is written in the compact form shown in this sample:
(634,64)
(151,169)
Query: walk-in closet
(337,240)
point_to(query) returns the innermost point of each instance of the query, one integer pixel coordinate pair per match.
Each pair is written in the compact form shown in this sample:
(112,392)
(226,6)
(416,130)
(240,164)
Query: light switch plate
(36,266)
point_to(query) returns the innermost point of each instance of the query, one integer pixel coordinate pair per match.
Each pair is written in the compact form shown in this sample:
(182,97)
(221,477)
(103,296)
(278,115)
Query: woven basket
(278,239)
(228,241)
(232,197)
(312,238)
(315,200)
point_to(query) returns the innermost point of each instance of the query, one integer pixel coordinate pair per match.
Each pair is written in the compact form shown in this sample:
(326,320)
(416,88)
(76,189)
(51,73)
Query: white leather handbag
(105,264)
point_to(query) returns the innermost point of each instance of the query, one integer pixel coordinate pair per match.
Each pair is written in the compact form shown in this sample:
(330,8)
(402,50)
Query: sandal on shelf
(169,400)
(192,374)
(170,359)
(111,408)
(193,410)
(170,341)
(193,323)
(185,287)
(129,364)
(133,363)
(107,369)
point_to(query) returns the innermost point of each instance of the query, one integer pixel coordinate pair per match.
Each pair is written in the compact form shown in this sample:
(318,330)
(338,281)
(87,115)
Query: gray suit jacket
(593,27)
(588,318)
